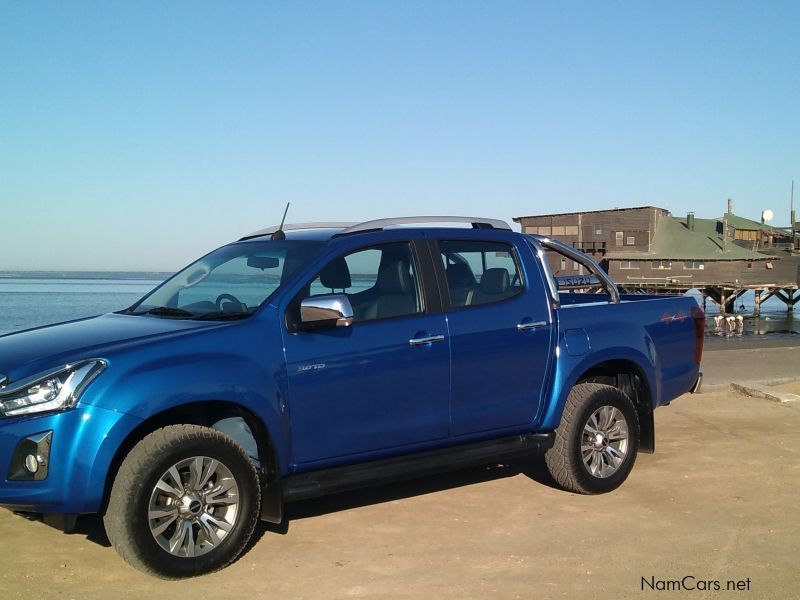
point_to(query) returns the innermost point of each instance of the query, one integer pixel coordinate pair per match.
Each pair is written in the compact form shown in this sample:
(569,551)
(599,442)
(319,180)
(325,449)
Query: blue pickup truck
(304,360)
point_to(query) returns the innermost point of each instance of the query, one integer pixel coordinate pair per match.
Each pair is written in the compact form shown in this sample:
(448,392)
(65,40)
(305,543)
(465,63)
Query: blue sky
(138,135)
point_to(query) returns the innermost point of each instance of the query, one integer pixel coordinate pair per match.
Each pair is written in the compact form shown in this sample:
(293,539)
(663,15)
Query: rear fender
(570,370)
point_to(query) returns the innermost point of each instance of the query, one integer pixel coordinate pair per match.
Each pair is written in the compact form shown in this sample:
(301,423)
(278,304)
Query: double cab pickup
(305,360)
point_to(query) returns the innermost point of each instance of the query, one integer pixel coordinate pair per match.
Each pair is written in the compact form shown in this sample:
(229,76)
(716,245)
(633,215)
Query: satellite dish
(767,215)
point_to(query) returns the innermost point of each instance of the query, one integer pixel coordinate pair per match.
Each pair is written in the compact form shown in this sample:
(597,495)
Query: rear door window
(480,272)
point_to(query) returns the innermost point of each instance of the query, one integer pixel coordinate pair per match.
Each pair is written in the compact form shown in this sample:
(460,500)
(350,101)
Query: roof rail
(297,227)
(378,224)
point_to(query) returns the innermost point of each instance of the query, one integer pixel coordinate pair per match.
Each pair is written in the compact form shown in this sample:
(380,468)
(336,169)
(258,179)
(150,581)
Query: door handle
(420,341)
(530,326)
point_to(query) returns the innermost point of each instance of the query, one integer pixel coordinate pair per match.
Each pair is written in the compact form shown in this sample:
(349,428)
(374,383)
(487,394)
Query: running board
(341,479)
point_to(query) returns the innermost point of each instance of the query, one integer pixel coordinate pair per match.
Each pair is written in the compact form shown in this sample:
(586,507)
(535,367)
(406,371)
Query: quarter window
(480,272)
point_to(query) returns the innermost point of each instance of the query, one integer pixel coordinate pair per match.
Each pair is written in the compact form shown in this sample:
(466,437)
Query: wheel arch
(209,413)
(628,377)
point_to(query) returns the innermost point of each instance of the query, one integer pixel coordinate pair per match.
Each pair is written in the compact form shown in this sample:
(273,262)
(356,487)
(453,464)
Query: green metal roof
(736,222)
(749,225)
(673,240)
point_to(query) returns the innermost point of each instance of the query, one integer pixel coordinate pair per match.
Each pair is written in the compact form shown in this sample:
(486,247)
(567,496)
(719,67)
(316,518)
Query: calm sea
(33,299)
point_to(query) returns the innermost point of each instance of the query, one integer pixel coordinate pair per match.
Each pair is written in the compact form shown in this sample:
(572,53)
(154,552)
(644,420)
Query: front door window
(380,281)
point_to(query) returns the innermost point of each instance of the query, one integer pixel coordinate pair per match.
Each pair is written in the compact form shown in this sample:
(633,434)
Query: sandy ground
(792,387)
(718,502)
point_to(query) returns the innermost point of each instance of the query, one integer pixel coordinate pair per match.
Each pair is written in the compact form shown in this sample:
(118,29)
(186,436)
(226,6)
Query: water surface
(34,299)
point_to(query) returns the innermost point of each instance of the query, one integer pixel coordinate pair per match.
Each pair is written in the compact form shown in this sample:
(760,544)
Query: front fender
(146,389)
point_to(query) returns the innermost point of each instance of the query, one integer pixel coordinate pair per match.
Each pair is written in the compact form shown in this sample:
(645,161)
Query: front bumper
(82,447)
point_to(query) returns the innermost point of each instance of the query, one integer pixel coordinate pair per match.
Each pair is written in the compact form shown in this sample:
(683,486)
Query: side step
(340,479)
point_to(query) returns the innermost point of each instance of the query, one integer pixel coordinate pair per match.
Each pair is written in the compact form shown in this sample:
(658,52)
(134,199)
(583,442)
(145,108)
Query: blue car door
(383,382)
(499,327)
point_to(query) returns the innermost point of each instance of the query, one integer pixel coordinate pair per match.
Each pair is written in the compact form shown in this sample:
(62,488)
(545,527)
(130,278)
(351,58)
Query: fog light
(30,459)
(31,463)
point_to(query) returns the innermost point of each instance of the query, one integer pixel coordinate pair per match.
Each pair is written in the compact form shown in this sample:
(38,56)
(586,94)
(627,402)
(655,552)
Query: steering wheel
(222,297)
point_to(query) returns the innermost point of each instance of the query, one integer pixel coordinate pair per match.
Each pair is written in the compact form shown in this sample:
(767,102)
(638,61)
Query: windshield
(229,283)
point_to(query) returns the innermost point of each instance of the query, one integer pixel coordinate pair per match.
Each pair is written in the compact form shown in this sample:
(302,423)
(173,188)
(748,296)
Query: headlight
(55,390)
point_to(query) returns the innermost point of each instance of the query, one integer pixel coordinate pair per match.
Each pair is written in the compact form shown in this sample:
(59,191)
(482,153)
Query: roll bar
(575,282)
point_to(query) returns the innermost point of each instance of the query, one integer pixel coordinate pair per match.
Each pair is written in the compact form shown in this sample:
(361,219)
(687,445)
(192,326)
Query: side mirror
(331,310)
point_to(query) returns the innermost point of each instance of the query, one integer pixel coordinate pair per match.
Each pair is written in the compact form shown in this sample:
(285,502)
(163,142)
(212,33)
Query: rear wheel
(597,441)
(185,502)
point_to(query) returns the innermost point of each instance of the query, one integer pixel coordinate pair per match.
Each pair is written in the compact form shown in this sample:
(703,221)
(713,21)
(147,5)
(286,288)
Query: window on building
(558,229)
(694,265)
(628,264)
(620,237)
(575,265)
(571,230)
(563,264)
(544,231)
(598,230)
(661,265)
(630,240)
(742,234)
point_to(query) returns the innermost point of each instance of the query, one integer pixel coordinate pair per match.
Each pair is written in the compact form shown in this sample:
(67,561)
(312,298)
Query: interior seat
(336,275)
(397,294)
(460,281)
(495,285)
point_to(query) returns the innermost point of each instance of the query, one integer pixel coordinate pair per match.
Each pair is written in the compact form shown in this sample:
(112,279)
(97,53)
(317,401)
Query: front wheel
(596,442)
(184,502)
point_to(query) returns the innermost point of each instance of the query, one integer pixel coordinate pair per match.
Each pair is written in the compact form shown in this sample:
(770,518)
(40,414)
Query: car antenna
(279,235)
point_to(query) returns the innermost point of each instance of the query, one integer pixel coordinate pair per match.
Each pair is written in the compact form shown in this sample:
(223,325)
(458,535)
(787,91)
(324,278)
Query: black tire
(606,468)
(205,509)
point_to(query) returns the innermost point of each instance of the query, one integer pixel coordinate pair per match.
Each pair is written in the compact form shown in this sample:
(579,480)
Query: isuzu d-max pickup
(310,359)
